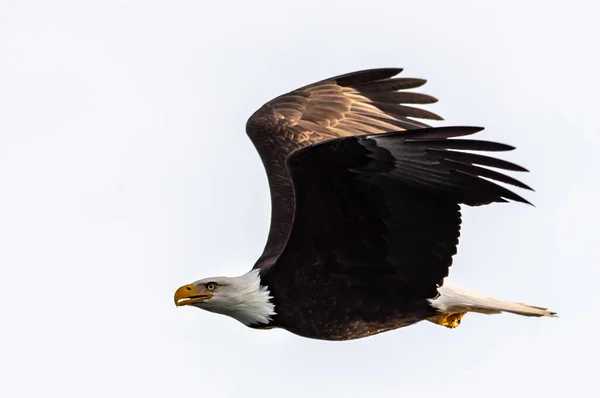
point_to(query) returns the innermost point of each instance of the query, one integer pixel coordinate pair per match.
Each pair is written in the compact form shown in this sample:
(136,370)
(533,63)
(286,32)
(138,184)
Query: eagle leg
(449,320)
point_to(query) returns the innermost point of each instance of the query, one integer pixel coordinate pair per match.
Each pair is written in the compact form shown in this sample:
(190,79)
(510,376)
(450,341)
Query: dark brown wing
(383,211)
(365,102)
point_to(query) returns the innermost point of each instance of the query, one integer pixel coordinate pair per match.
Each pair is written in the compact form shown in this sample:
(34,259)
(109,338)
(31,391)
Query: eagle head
(243,298)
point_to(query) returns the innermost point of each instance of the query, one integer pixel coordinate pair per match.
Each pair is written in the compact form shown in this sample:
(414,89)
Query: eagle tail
(453,303)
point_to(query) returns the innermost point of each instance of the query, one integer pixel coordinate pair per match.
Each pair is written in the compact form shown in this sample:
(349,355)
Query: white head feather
(242,298)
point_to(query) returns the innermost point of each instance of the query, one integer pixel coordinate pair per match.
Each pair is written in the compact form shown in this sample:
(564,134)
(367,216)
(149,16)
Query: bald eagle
(365,213)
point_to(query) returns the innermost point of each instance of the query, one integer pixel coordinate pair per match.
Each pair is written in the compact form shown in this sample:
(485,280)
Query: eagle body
(340,311)
(365,215)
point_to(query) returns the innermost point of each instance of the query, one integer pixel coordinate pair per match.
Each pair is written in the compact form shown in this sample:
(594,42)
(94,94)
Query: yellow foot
(449,320)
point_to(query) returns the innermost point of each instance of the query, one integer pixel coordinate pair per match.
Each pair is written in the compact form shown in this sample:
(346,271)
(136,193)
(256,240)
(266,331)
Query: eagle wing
(384,210)
(359,103)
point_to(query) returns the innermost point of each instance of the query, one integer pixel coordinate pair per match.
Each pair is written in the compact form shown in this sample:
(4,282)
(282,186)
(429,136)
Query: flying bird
(366,213)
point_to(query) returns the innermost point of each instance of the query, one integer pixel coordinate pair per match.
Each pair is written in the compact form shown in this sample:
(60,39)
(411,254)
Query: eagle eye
(211,286)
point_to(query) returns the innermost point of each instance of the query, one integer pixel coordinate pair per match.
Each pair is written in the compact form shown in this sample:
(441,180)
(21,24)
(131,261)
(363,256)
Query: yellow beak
(189,294)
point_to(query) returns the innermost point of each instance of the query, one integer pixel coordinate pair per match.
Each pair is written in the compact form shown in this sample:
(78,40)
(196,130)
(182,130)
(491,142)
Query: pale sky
(125,172)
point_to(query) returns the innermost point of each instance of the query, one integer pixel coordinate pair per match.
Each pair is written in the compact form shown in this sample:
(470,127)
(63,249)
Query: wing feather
(384,211)
(358,103)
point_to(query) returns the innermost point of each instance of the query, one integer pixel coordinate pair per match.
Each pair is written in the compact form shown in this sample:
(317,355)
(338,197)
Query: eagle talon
(448,320)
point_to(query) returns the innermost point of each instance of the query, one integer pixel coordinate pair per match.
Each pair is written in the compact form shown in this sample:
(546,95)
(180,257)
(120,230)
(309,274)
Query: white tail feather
(456,300)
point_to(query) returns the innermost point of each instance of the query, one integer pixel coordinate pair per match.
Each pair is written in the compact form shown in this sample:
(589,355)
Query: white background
(125,172)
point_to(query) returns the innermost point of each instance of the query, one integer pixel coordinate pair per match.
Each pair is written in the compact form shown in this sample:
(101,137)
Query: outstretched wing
(383,210)
(365,102)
